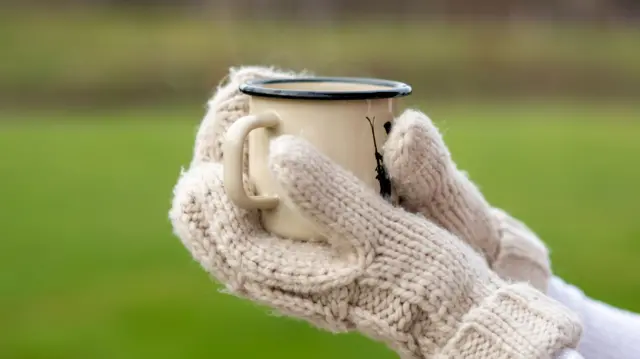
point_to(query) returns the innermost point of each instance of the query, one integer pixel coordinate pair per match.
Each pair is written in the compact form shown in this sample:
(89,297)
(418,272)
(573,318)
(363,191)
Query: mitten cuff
(523,256)
(516,321)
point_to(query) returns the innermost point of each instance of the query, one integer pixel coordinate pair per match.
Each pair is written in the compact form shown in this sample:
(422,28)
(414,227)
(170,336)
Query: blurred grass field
(90,268)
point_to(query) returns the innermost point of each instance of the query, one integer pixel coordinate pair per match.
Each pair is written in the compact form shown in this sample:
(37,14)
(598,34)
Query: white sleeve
(569,354)
(608,332)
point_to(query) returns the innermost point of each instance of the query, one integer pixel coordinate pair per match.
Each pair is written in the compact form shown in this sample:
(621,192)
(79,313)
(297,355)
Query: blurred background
(100,101)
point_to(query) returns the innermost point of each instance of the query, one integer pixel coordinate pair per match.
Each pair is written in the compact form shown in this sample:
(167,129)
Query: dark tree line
(589,10)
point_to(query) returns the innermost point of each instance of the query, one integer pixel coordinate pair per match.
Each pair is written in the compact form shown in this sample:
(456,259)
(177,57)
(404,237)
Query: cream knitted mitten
(397,277)
(430,183)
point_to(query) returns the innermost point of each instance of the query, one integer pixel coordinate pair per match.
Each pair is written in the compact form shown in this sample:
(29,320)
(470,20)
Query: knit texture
(523,257)
(386,273)
(419,162)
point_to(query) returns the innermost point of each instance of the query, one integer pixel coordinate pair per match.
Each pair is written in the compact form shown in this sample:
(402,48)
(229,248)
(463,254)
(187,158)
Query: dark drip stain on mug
(381,172)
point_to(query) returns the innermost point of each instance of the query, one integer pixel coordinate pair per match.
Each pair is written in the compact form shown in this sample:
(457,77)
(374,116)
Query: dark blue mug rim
(386,89)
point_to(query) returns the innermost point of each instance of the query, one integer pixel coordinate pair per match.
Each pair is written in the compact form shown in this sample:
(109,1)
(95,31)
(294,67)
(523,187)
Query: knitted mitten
(430,183)
(389,274)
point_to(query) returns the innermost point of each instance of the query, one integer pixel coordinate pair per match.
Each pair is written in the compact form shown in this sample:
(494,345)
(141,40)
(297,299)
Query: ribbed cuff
(516,321)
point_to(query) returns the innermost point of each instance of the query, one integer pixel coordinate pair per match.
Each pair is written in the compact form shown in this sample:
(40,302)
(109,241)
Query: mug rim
(392,89)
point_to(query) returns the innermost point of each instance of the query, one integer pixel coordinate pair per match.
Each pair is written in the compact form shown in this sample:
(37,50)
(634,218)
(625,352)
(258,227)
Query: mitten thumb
(429,182)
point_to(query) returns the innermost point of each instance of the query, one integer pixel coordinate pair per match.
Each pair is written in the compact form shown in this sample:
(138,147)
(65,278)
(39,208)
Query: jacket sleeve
(569,354)
(608,332)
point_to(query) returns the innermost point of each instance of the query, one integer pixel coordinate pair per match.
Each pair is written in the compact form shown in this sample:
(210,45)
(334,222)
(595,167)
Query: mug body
(345,119)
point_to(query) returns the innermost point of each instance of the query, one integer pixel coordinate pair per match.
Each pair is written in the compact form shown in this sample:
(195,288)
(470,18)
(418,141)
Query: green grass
(89,267)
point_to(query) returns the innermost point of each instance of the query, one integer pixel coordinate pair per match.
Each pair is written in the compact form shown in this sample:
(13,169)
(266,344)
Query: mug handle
(233,150)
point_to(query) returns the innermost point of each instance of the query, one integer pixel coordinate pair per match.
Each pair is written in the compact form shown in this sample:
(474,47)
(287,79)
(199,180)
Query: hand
(430,183)
(387,273)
